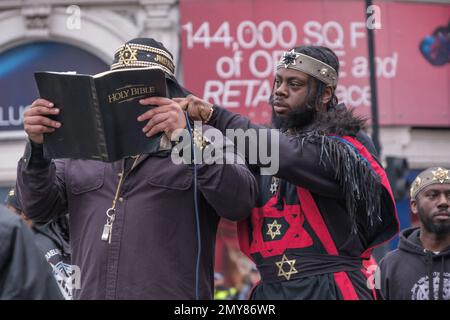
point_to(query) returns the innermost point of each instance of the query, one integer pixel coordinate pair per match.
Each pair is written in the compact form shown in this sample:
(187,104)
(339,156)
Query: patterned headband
(435,175)
(309,65)
(132,55)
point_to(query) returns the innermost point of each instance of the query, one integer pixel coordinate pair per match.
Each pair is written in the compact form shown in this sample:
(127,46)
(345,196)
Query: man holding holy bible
(140,229)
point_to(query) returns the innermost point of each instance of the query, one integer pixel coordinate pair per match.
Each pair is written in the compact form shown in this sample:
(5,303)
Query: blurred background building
(226,51)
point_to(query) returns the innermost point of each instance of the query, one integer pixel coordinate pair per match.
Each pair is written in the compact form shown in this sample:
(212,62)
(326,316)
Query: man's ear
(413,206)
(327,94)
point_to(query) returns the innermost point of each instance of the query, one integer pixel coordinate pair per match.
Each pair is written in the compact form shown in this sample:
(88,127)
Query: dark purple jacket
(153,248)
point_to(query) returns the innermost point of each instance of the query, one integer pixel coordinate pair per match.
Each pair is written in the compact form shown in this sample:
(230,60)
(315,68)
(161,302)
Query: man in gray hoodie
(421,264)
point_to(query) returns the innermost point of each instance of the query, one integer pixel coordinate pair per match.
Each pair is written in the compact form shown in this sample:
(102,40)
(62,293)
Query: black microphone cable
(197,211)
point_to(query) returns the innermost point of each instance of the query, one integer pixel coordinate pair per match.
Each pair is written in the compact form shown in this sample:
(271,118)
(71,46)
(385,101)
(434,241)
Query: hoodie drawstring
(441,279)
(430,276)
(440,295)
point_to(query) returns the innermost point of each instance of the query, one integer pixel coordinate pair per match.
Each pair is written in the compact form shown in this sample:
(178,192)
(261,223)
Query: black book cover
(99,113)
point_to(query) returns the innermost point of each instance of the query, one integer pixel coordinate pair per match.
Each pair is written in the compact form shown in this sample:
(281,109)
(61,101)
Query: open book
(99,113)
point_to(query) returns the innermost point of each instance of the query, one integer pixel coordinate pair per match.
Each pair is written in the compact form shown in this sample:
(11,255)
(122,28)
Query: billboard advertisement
(230,50)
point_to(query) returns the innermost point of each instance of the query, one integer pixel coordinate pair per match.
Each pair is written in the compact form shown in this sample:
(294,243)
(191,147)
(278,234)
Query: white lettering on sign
(330,34)
(229,93)
(384,67)
(10,116)
(244,71)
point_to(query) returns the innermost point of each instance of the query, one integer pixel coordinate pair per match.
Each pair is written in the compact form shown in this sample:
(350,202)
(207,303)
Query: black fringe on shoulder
(360,184)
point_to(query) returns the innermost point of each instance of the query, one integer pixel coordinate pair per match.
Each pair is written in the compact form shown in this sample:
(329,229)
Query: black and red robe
(318,218)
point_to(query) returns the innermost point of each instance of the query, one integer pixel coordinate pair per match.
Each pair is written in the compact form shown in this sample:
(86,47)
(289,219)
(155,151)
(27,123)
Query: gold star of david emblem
(286,274)
(440,175)
(127,55)
(270,227)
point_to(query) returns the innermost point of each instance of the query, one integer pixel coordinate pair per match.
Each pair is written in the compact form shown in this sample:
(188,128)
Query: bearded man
(420,268)
(319,217)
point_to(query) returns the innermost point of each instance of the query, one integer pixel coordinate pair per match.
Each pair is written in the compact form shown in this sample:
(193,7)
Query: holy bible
(98,113)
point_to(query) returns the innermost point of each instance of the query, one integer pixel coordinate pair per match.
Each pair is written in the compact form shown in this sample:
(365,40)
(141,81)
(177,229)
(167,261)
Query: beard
(298,118)
(440,228)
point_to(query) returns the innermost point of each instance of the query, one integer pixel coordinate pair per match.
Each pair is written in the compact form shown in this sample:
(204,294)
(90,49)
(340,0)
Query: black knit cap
(144,53)
(149,53)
